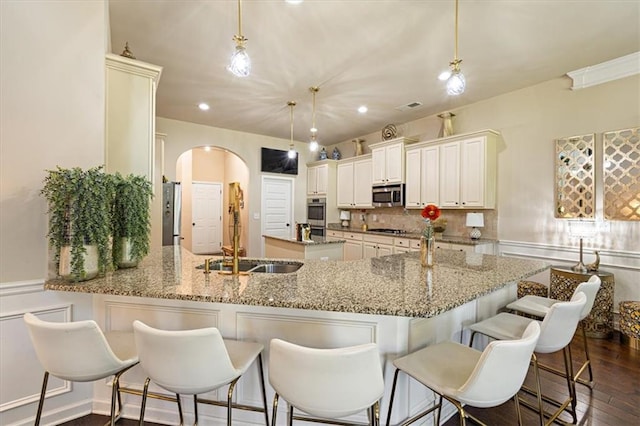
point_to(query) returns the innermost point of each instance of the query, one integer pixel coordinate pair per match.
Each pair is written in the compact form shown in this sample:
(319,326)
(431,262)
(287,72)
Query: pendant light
(456,82)
(292,152)
(240,64)
(313,143)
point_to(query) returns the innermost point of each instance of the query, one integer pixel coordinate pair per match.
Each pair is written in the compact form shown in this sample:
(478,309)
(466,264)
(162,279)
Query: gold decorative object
(447,124)
(575,187)
(389,132)
(358,146)
(621,174)
(126,52)
(593,267)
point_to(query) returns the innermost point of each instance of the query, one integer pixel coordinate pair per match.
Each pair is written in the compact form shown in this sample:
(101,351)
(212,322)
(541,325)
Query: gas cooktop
(388,231)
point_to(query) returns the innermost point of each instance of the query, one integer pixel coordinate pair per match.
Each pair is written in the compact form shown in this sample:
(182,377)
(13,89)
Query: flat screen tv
(277,161)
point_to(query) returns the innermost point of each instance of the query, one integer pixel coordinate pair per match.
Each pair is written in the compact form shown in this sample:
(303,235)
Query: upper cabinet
(317,179)
(130,115)
(422,176)
(454,172)
(354,182)
(388,161)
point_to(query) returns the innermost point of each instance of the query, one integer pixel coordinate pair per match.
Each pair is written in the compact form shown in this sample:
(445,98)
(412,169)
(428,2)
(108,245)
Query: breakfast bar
(390,300)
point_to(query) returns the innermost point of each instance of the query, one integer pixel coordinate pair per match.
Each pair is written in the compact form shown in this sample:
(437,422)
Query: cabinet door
(322,179)
(384,250)
(352,250)
(395,163)
(430,176)
(369,250)
(472,172)
(345,185)
(312,180)
(414,183)
(362,183)
(378,159)
(450,175)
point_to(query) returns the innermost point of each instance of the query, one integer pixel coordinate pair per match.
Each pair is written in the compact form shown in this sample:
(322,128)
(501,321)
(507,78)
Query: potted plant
(131,222)
(79,215)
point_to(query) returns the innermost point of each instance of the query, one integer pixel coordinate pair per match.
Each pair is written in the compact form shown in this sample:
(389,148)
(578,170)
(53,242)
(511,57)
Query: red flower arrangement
(431,212)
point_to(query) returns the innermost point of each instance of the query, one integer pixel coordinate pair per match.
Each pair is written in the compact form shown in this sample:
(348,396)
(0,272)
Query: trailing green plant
(131,216)
(79,213)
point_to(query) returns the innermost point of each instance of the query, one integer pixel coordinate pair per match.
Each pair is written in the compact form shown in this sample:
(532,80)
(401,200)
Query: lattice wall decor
(621,174)
(575,187)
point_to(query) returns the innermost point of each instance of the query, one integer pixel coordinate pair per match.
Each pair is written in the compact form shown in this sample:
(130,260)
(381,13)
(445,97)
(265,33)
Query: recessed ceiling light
(362,109)
(207,148)
(444,75)
(203,106)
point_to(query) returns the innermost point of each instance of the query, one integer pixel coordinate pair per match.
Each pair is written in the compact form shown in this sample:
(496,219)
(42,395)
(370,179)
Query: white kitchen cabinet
(318,177)
(130,118)
(422,177)
(354,182)
(388,161)
(352,246)
(468,172)
(376,245)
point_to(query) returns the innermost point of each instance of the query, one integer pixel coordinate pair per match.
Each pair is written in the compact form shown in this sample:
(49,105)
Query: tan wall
(208,166)
(51,113)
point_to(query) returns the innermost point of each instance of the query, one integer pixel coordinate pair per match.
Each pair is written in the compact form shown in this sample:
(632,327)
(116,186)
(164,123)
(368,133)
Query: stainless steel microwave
(388,196)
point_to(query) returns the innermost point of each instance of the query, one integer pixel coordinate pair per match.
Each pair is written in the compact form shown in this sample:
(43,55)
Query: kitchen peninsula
(390,300)
(315,248)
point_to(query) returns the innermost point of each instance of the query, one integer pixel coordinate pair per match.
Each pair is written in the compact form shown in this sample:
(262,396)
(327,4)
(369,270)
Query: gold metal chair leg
(179,402)
(275,409)
(195,409)
(393,392)
(232,385)
(144,400)
(290,415)
(45,379)
(264,391)
(516,400)
(439,411)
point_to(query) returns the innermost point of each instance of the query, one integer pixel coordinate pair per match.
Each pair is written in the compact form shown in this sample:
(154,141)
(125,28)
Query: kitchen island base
(395,336)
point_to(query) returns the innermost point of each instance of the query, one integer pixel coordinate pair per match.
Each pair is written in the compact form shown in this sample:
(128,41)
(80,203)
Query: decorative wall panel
(621,174)
(575,183)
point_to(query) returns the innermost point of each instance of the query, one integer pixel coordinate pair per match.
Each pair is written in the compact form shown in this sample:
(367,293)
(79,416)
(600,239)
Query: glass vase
(427,250)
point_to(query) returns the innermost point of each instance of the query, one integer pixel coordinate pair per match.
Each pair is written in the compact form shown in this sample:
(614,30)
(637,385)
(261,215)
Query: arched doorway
(199,167)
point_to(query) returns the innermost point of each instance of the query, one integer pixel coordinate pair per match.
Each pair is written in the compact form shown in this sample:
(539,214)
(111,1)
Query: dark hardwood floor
(613,401)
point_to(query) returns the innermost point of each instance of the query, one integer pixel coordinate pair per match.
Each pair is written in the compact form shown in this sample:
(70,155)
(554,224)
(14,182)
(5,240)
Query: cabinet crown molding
(133,66)
(456,137)
(393,141)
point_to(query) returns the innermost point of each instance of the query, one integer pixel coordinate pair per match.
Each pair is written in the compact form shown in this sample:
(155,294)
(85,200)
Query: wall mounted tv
(277,161)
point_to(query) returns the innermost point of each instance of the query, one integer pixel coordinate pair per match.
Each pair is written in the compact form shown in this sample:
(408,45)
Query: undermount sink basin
(253,266)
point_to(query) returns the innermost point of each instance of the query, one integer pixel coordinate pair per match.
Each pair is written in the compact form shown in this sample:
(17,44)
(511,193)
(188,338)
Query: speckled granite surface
(446,239)
(315,240)
(391,285)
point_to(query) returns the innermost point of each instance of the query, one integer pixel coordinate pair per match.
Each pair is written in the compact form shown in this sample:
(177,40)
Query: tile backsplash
(410,220)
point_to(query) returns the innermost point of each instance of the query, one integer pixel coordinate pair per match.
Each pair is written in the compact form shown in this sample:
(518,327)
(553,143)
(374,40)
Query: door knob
(287,224)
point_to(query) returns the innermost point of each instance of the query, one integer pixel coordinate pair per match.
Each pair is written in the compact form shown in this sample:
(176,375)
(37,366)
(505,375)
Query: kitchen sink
(253,266)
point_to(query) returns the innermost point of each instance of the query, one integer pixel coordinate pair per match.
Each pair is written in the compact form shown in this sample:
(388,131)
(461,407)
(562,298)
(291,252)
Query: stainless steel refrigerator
(171,211)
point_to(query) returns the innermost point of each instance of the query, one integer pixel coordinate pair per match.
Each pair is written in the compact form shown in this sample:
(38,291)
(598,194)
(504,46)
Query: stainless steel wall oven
(317,215)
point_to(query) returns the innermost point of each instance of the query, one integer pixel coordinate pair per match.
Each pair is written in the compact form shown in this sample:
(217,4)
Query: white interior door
(206,207)
(277,206)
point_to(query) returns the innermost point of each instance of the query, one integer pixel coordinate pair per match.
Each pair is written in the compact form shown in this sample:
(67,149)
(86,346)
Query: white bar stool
(464,375)
(79,352)
(538,307)
(193,362)
(326,383)
(556,331)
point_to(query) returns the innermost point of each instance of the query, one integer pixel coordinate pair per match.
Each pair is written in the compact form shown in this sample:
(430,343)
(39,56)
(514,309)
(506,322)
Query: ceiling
(378,53)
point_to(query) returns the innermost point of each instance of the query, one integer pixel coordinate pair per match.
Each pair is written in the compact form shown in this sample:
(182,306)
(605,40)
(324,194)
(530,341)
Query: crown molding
(614,69)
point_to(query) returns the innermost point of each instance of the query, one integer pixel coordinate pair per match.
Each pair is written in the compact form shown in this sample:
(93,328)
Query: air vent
(410,105)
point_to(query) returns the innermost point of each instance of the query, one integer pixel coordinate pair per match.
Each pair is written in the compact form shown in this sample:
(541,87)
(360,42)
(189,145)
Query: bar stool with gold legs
(192,362)
(80,352)
(556,331)
(326,383)
(538,307)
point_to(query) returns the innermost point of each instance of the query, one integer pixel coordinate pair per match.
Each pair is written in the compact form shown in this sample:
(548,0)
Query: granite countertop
(315,240)
(415,236)
(390,285)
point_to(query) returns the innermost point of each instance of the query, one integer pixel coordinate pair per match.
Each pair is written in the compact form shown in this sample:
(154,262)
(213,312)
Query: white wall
(51,113)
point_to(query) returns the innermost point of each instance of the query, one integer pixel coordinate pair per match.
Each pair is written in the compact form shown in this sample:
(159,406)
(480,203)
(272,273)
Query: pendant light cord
(240,19)
(455,51)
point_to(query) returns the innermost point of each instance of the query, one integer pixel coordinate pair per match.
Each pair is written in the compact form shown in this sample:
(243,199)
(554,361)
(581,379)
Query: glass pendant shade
(456,83)
(313,145)
(240,62)
(292,152)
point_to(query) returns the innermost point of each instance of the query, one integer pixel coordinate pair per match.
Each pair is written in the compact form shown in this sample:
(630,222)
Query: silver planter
(125,260)
(90,263)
